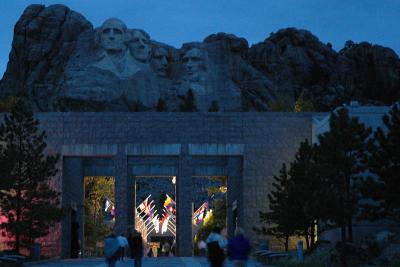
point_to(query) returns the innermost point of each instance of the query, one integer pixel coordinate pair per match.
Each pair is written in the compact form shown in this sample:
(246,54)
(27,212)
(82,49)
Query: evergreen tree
(384,164)
(28,202)
(161,105)
(308,192)
(341,159)
(188,102)
(304,103)
(280,221)
(214,106)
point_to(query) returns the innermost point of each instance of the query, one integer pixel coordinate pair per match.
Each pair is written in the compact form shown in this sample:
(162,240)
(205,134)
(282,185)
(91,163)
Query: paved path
(147,262)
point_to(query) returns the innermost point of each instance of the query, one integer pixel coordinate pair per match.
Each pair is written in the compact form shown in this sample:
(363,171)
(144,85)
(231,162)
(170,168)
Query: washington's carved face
(140,46)
(193,63)
(159,61)
(113,35)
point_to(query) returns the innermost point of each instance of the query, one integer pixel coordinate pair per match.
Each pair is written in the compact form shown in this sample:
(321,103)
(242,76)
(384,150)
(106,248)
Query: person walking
(165,249)
(216,244)
(136,245)
(111,250)
(123,244)
(239,248)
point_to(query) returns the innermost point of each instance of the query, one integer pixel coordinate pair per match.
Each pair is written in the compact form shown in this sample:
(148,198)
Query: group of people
(218,247)
(115,248)
(237,248)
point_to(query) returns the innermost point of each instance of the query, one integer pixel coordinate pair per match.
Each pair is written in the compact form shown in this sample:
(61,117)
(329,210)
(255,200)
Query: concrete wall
(263,141)
(255,143)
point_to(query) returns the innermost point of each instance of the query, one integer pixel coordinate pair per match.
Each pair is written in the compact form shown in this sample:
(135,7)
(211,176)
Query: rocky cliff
(59,62)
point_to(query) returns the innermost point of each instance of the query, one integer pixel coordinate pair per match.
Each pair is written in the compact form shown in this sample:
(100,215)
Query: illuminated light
(173,179)
(208,217)
(223,189)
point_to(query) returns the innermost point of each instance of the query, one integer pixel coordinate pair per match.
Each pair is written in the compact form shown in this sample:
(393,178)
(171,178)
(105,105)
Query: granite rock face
(59,62)
(297,62)
(44,39)
(371,72)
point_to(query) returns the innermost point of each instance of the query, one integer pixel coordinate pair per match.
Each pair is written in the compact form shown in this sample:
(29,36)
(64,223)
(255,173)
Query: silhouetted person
(165,249)
(136,245)
(111,250)
(215,247)
(123,243)
(75,246)
(239,248)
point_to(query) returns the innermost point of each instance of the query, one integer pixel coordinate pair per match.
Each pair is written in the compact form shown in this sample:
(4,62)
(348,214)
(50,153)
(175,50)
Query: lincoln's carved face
(140,46)
(113,35)
(159,61)
(193,62)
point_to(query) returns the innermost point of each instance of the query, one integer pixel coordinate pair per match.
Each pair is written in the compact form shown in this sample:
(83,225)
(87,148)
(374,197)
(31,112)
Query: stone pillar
(131,199)
(184,204)
(234,194)
(72,199)
(121,191)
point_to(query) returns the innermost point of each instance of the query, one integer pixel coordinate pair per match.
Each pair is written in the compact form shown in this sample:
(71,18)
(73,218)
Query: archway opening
(155,213)
(209,209)
(99,213)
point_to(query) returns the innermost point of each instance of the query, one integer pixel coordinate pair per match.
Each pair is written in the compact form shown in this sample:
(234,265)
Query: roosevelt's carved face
(140,46)
(113,35)
(193,63)
(159,61)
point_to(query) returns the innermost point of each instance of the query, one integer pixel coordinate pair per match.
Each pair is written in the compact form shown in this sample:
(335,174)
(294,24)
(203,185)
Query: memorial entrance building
(247,149)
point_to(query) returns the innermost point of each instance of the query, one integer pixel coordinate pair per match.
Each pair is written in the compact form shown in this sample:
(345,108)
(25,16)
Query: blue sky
(177,21)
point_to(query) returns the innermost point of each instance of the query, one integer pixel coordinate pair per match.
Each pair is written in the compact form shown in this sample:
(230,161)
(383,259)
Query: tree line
(350,173)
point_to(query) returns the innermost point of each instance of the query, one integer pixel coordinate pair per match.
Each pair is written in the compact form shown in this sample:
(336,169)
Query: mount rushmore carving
(59,62)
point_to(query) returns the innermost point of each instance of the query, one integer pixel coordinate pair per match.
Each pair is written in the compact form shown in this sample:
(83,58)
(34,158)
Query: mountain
(59,62)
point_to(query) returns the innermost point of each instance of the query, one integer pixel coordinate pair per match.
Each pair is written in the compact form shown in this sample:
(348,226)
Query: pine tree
(308,192)
(214,106)
(279,221)
(304,103)
(161,105)
(188,102)
(384,164)
(28,202)
(341,158)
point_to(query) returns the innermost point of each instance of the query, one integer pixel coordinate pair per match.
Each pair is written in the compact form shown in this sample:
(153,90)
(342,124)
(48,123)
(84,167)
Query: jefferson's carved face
(159,61)
(113,35)
(140,46)
(193,63)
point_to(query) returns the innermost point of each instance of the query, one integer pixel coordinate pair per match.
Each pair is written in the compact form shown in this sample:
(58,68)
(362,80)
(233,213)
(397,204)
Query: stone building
(246,148)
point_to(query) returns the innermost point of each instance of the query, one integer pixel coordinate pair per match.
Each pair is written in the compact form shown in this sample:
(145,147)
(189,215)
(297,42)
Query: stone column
(234,194)
(184,204)
(72,199)
(121,190)
(131,198)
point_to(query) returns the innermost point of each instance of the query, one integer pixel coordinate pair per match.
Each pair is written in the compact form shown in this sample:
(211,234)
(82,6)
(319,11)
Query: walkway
(147,262)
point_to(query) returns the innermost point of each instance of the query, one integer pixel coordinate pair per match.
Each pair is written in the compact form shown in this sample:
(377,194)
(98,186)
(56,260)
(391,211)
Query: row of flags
(200,214)
(149,219)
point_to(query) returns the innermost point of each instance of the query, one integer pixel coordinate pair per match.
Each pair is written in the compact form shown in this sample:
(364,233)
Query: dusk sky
(175,22)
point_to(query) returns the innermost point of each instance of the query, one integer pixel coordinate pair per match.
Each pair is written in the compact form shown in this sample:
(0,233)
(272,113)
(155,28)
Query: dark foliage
(279,221)
(188,102)
(341,158)
(27,200)
(161,105)
(383,186)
